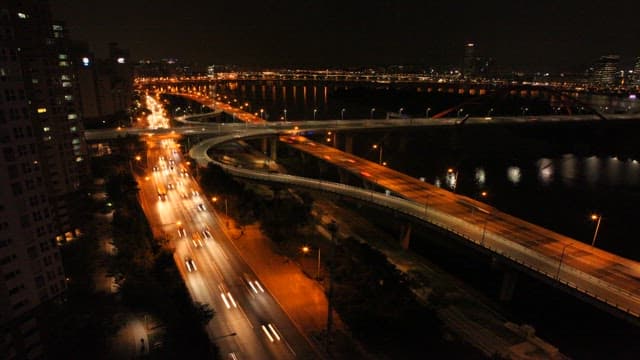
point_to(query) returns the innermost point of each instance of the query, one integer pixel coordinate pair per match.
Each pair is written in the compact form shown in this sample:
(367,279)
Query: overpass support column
(348,144)
(405,235)
(264,146)
(274,148)
(343,175)
(509,280)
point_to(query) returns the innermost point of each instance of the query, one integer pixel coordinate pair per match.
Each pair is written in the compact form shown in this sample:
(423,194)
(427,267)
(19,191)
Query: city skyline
(544,37)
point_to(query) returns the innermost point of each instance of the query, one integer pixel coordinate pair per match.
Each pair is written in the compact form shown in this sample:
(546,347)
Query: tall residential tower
(42,164)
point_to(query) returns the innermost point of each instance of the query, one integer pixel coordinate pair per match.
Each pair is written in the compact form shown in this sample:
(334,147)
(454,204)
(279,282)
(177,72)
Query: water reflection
(514,174)
(545,171)
(570,170)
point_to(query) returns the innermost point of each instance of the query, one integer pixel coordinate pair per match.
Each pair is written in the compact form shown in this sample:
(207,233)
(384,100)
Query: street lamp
(261,112)
(306,250)
(459,112)
(561,258)
(454,180)
(490,112)
(333,229)
(314,114)
(226,209)
(342,113)
(285,115)
(376,146)
(597,218)
(400,111)
(524,111)
(372,111)
(428,109)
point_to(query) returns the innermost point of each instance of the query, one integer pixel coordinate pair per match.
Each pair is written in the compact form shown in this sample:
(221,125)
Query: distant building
(468,61)
(605,70)
(43,164)
(636,72)
(106,85)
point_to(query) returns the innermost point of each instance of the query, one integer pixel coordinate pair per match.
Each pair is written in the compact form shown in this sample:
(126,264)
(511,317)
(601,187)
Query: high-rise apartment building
(469,60)
(42,164)
(605,71)
(636,72)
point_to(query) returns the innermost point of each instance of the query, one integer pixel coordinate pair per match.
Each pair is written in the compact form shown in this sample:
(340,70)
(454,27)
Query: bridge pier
(509,280)
(274,148)
(405,235)
(348,144)
(343,176)
(264,147)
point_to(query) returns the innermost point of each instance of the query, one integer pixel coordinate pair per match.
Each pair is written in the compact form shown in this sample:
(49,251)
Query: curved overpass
(610,281)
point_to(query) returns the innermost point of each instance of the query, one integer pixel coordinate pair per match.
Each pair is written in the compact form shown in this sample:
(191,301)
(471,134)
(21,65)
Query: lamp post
(400,111)
(597,218)
(333,229)
(459,112)
(342,113)
(314,114)
(561,258)
(306,250)
(489,112)
(372,111)
(285,115)
(454,174)
(261,112)
(379,147)
(226,209)
(428,109)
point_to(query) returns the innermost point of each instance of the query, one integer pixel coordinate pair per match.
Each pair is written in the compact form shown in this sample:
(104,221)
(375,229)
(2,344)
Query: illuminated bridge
(602,278)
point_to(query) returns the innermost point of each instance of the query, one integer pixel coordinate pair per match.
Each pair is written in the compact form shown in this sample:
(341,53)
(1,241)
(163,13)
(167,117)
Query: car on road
(206,233)
(190,264)
(201,207)
(196,239)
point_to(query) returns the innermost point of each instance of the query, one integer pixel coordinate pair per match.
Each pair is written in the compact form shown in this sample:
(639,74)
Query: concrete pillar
(343,175)
(405,235)
(348,144)
(274,148)
(265,146)
(508,285)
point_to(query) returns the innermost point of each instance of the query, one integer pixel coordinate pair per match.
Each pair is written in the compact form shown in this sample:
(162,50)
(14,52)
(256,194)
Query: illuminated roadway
(248,322)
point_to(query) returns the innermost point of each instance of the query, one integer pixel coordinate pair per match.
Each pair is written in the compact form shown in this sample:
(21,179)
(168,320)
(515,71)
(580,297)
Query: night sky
(543,35)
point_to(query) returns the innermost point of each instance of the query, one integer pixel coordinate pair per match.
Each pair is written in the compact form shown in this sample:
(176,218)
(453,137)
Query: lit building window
(57,27)
(42,110)
(62,56)
(63,63)
(74,129)
(66,84)
(72,116)
(22,15)
(79,159)
(120,60)
(34,81)
(75,141)
(65,77)
(46,129)
(68,97)
(85,61)
(47,138)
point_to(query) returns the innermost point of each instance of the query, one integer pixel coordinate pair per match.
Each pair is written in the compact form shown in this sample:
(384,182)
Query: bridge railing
(542,264)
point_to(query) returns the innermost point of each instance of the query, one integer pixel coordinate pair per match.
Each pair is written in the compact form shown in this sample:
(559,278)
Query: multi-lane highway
(248,322)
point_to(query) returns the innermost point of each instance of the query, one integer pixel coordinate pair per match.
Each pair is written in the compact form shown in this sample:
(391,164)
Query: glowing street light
(372,111)
(305,250)
(315,111)
(376,146)
(428,109)
(342,113)
(597,218)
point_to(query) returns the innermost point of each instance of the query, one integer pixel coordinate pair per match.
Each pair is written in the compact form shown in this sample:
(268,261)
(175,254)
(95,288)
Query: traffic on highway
(248,322)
